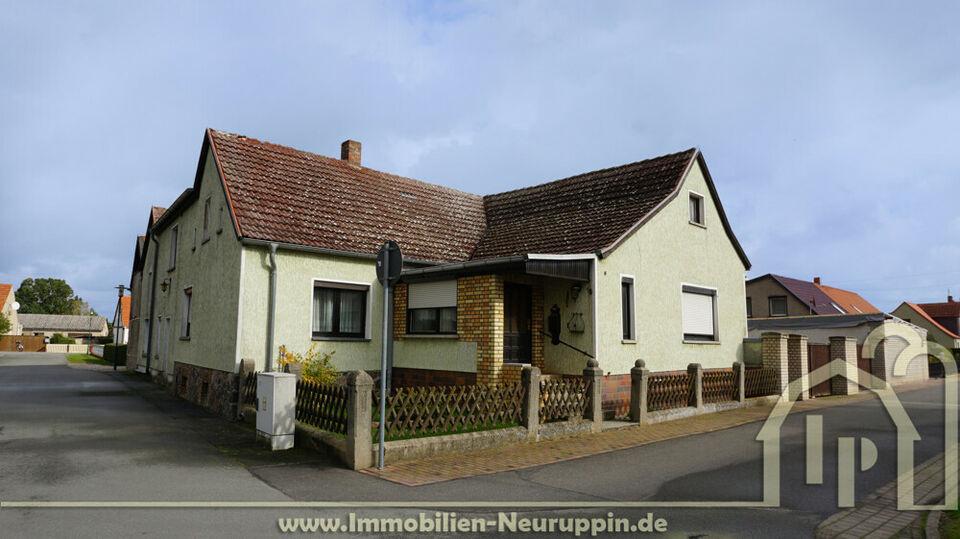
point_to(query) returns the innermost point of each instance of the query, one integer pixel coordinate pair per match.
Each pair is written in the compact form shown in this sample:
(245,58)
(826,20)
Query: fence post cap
(359,378)
(693,367)
(639,364)
(592,363)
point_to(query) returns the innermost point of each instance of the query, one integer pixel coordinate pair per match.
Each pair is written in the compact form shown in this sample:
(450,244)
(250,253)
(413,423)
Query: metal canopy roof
(576,269)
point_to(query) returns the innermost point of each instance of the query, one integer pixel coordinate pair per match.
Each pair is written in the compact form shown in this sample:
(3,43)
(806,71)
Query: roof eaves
(210,143)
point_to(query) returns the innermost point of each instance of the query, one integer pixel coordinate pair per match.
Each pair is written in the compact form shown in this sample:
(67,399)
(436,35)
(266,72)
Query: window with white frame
(432,308)
(777,305)
(627,308)
(696,209)
(186,312)
(339,310)
(174,236)
(206,219)
(699,307)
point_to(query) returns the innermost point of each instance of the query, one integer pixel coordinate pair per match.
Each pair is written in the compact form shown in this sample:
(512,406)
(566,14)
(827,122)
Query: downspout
(272,307)
(153,300)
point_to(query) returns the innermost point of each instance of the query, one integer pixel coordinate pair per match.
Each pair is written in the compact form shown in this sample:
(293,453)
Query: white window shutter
(432,295)
(698,314)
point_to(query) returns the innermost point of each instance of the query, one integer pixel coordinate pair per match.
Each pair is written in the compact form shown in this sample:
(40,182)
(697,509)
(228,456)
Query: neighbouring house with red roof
(9,307)
(939,319)
(773,295)
(276,246)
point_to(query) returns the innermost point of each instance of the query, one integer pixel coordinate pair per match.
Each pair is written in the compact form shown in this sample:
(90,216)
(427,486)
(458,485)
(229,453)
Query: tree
(79,306)
(4,324)
(46,296)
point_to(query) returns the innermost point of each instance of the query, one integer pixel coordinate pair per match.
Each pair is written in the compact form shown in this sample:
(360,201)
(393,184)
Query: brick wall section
(213,389)
(616,393)
(399,311)
(404,377)
(798,364)
(774,353)
(844,381)
(480,320)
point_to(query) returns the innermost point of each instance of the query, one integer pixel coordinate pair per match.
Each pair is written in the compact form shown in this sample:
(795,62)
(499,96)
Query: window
(339,311)
(699,314)
(174,234)
(626,308)
(696,209)
(220,221)
(432,308)
(194,248)
(778,305)
(749,308)
(185,313)
(206,219)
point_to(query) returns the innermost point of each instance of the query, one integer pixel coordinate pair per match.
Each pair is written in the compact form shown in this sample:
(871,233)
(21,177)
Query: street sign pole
(389,265)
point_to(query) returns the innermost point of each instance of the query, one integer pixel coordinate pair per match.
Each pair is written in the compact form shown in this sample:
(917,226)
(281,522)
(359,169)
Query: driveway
(73,434)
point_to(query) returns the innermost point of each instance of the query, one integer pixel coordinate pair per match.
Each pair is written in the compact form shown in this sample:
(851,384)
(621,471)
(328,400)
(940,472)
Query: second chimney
(350,152)
(816,280)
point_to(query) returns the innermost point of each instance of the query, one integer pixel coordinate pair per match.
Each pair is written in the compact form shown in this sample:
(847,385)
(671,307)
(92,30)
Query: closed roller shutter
(432,295)
(698,314)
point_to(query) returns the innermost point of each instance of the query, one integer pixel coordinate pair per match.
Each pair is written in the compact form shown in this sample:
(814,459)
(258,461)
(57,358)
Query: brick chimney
(350,152)
(950,299)
(816,280)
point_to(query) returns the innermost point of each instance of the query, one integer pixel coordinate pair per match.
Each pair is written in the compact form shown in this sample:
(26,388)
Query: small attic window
(696,209)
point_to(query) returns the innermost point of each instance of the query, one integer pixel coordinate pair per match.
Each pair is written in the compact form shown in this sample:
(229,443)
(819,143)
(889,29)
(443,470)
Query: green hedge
(58,338)
(113,352)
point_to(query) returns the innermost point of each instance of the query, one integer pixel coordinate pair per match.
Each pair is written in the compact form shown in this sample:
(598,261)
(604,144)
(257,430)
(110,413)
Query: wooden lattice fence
(437,410)
(760,382)
(248,389)
(322,405)
(719,385)
(562,398)
(667,390)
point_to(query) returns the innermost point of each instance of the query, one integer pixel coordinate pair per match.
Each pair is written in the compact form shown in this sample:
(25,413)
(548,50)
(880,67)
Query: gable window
(206,219)
(339,310)
(432,308)
(778,305)
(699,306)
(696,209)
(627,308)
(186,311)
(174,236)
(749,308)
(220,221)
(194,248)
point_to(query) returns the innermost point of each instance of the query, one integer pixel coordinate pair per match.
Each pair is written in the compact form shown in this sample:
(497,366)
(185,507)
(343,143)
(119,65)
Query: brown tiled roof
(291,196)
(805,291)
(4,292)
(849,301)
(581,214)
(949,309)
(919,310)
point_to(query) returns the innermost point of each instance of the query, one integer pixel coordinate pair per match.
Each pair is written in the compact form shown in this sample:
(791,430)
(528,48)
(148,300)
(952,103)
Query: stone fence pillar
(843,361)
(798,366)
(696,386)
(774,352)
(359,420)
(639,380)
(530,409)
(739,382)
(593,378)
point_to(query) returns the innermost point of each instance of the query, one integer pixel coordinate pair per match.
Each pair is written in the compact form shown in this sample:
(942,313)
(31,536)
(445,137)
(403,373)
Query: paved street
(76,434)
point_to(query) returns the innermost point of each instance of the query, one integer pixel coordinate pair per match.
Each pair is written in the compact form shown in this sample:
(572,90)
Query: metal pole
(383,358)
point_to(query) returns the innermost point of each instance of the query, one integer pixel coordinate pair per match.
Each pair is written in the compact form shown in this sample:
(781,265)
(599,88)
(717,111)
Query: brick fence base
(213,389)
(616,394)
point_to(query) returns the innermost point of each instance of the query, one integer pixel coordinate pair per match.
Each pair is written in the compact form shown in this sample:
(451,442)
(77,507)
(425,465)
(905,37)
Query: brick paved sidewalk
(877,515)
(517,457)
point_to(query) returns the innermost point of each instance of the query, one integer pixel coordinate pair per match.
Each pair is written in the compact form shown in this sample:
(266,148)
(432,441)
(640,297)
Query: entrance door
(818,355)
(865,366)
(517,323)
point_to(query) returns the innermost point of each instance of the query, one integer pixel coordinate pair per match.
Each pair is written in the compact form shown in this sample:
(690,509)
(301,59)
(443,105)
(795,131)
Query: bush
(114,354)
(58,338)
(314,366)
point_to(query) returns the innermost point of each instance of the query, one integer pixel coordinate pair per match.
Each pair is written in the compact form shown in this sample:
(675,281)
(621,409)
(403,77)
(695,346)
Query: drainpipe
(272,307)
(153,300)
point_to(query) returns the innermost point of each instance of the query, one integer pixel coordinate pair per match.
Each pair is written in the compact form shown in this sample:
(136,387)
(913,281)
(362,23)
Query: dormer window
(696,209)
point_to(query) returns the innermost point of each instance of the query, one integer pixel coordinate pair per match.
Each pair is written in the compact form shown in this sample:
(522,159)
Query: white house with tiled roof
(275,246)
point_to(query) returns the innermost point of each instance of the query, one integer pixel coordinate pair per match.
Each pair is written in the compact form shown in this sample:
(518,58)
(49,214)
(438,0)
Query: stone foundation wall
(213,389)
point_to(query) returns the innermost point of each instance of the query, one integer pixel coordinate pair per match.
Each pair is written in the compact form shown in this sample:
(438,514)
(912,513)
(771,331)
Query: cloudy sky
(830,128)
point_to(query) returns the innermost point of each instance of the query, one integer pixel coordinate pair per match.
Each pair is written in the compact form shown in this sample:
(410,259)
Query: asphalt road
(76,434)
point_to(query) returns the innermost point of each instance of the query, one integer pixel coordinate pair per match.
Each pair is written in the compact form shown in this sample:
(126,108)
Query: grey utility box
(277,409)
